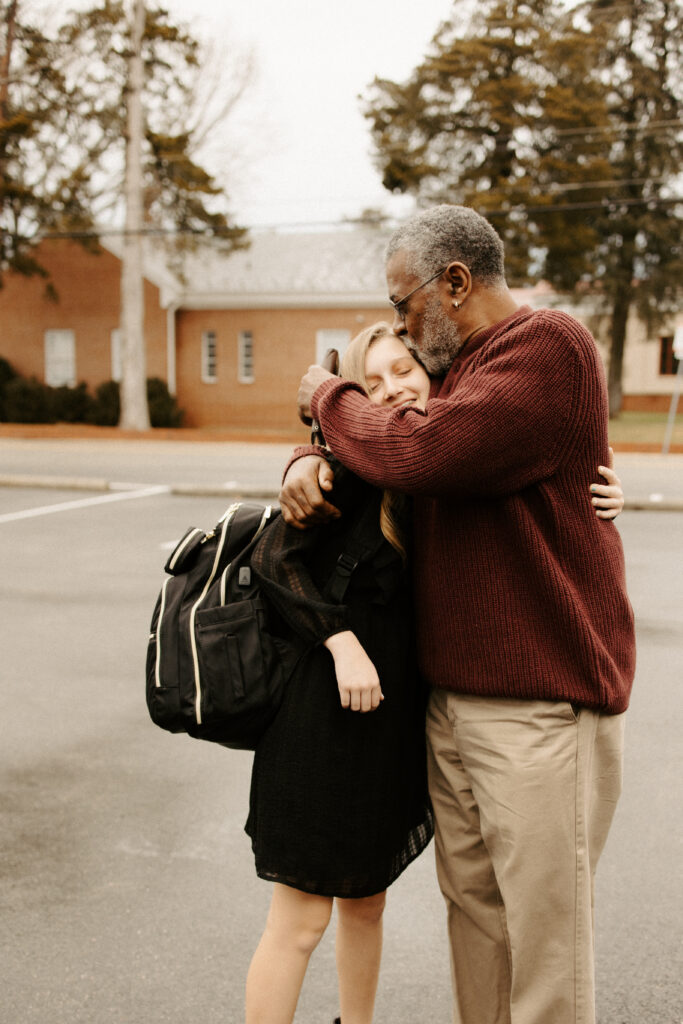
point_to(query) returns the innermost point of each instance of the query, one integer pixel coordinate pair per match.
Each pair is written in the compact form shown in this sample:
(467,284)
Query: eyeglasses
(401,302)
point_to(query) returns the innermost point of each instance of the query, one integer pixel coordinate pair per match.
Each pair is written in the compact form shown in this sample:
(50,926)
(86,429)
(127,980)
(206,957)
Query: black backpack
(215,668)
(219,657)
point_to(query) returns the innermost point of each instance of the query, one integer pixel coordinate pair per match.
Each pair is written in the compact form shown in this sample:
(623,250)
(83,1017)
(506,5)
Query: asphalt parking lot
(128,889)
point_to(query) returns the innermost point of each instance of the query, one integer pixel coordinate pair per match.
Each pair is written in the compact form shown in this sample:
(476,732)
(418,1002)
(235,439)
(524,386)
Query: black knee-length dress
(339,803)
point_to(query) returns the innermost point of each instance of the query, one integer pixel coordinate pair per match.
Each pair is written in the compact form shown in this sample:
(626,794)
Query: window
(245,357)
(60,358)
(116,354)
(209,358)
(668,363)
(331,338)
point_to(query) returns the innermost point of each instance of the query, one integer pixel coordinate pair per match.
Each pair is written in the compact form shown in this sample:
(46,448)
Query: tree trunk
(616,352)
(623,297)
(134,408)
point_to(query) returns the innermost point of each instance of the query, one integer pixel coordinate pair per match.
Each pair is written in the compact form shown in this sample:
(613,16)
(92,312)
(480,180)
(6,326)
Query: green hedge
(7,374)
(28,400)
(106,407)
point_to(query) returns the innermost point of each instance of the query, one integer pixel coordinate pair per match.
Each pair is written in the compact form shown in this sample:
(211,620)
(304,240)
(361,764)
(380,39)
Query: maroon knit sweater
(519,587)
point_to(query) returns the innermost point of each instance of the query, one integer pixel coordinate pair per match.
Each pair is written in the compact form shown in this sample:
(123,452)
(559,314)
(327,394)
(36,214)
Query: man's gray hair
(436,237)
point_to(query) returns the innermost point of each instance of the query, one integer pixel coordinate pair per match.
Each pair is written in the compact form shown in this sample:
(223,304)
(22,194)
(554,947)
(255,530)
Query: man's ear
(459,281)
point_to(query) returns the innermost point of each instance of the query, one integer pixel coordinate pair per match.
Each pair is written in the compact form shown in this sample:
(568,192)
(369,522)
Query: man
(524,629)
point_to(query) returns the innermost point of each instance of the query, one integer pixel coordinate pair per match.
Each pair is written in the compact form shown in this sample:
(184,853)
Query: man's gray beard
(441,340)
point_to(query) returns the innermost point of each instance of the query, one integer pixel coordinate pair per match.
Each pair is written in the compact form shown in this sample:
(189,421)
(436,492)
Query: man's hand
(302,497)
(309,382)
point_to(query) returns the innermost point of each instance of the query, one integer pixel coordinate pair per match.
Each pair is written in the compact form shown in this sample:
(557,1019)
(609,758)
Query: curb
(244,491)
(65,483)
(647,505)
(59,483)
(210,435)
(71,483)
(225,435)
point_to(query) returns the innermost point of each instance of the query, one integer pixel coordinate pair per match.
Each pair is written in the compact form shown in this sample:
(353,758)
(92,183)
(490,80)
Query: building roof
(280,270)
(340,268)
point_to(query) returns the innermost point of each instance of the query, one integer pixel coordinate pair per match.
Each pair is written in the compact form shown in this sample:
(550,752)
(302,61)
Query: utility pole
(134,408)
(5,57)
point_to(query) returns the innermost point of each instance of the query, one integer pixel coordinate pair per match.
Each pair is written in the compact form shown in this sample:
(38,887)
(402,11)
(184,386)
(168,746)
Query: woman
(339,803)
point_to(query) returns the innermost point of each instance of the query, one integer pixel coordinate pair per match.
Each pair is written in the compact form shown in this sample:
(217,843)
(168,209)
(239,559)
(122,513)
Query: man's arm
(308,477)
(518,411)
(302,498)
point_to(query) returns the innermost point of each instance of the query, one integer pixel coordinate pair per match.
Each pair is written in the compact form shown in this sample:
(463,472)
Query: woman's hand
(608,499)
(357,679)
(310,382)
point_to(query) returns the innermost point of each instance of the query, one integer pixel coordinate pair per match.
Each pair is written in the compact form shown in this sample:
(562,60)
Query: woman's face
(393,377)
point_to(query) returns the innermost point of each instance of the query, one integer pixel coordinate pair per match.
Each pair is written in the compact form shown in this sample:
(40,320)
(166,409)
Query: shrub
(106,405)
(27,400)
(71,405)
(163,408)
(7,374)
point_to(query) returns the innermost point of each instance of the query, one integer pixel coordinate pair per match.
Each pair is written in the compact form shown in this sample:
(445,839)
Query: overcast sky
(304,145)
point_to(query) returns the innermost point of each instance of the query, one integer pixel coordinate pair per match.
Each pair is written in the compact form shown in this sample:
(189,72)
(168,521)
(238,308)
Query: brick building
(233,337)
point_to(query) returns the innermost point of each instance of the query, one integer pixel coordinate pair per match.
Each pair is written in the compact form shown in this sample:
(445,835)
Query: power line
(647,130)
(650,128)
(610,205)
(588,12)
(607,206)
(580,186)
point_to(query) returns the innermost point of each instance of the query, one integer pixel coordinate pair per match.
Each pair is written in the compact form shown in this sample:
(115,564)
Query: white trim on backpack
(181,547)
(227,519)
(162,608)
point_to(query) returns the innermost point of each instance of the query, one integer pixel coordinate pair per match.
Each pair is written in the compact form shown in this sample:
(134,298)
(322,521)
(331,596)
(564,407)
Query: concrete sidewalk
(239,468)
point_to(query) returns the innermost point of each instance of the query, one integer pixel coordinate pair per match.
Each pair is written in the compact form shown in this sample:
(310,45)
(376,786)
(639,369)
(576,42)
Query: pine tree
(639,253)
(564,128)
(44,184)
(99,125)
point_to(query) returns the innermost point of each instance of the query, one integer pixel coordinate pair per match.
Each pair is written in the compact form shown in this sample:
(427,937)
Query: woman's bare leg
(296,923)
(359,952)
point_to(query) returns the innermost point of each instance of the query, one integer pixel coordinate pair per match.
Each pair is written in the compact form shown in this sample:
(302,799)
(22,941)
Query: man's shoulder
(553,331)
(559,323)
(536,329)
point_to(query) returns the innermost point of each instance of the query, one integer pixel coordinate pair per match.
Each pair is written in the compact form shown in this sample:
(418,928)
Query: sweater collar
(480,339)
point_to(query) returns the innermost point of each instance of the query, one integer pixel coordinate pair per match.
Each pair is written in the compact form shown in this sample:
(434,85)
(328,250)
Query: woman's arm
(284,561)
(357,679)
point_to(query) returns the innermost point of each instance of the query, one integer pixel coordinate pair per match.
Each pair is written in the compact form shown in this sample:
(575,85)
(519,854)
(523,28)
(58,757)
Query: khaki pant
(524,793)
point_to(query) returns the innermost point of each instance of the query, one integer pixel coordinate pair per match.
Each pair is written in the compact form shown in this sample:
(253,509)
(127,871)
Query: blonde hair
(353,368)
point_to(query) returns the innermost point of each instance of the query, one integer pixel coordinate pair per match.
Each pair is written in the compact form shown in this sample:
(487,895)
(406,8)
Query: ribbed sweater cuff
(302,450)
(327,387)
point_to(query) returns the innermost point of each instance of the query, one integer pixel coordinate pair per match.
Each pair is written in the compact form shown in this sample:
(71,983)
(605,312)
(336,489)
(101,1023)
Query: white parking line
(65,506)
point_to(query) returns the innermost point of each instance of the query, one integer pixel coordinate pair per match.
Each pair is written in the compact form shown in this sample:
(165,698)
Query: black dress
(339,803)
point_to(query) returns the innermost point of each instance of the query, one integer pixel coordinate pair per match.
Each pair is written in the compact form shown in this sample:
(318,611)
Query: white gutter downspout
(171,310)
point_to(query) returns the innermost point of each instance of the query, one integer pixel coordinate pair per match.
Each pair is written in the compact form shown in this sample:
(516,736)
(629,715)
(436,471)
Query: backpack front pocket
(238,663)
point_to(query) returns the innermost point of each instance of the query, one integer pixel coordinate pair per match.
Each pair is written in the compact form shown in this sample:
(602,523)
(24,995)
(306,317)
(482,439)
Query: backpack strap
(361,542)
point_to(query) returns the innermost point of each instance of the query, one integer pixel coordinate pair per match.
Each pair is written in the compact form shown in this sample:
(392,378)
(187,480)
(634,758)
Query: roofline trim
(280,300)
